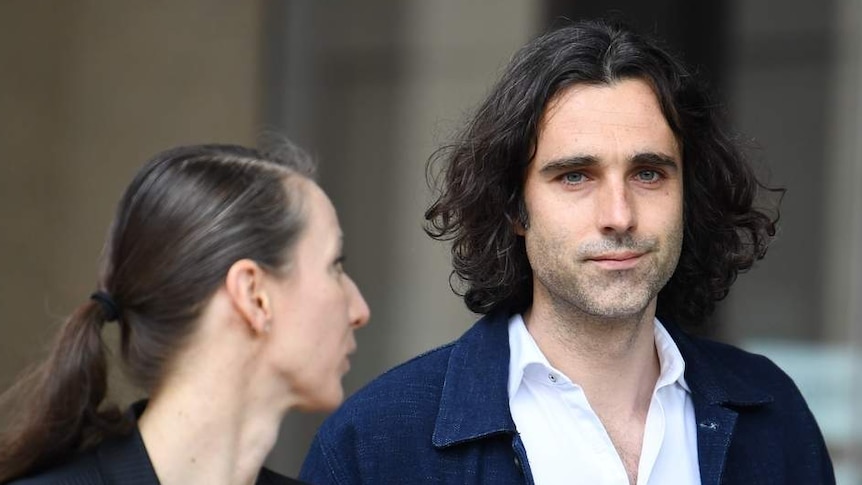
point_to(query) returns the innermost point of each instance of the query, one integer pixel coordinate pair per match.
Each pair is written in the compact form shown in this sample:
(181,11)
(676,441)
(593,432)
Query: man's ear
(245,285)
(521,220)
(518,228)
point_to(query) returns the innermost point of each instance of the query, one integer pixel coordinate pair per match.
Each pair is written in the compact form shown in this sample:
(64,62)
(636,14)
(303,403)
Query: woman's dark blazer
(122,460)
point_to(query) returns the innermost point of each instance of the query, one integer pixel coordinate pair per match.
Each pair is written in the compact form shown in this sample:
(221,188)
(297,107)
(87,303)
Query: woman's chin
(323,403)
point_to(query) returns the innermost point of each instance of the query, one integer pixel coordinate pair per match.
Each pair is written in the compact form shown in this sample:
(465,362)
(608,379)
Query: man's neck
(613,360)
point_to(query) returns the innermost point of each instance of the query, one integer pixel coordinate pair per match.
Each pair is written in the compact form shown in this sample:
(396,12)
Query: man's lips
(616,261)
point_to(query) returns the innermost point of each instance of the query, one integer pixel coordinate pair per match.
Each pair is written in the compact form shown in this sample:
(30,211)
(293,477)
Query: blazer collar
(124,460)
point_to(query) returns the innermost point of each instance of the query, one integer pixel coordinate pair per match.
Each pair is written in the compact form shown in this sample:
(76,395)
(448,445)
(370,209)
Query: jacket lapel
(718,395)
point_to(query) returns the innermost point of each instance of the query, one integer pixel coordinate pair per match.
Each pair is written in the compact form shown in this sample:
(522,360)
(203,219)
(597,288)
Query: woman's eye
(573,178)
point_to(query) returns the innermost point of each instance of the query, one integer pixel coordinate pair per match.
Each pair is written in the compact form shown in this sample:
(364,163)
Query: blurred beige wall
(373,88)
(89,90)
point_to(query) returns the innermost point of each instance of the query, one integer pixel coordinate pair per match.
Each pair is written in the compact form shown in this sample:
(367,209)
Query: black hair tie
(110,309)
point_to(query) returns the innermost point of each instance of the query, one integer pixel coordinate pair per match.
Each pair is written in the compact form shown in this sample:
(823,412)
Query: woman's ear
(246,286)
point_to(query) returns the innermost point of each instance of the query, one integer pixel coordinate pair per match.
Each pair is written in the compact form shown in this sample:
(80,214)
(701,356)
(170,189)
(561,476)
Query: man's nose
(615,211)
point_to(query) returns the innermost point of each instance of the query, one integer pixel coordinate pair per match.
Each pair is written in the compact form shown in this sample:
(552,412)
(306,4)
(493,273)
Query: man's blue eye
(648,175)
(573,178)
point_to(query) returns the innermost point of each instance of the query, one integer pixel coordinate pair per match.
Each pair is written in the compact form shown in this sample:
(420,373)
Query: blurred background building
(90,89)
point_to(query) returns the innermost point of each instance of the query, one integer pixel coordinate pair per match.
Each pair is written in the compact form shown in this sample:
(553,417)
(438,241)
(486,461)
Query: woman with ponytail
(223,271)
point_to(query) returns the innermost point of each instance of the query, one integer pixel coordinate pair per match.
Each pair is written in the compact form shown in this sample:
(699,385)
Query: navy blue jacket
(443,417)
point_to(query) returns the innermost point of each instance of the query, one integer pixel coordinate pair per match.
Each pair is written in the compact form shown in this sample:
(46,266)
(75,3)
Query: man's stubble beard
(580,287)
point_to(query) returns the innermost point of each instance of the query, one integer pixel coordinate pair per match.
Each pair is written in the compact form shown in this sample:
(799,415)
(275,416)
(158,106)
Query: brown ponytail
(57,404)
(187,216)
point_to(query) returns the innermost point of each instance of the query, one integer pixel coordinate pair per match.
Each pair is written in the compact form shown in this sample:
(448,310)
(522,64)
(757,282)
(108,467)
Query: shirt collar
(524,352)
(670,359)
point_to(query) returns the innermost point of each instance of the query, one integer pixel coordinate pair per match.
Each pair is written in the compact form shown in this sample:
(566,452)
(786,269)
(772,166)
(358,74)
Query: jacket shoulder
(392,412)
(780,431)
(755,370)
(414,385)
(759,390)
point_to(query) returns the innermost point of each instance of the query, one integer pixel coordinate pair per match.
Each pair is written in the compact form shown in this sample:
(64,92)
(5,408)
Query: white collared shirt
(566,442)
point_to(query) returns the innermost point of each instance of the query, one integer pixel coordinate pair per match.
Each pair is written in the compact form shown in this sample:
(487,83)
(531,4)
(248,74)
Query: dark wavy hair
(187,216)
(479,189)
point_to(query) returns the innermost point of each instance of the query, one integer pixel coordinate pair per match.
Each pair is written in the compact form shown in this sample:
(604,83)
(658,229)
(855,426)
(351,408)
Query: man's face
(604,199)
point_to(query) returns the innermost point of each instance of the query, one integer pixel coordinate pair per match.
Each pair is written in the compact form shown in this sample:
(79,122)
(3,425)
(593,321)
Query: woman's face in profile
(316,308)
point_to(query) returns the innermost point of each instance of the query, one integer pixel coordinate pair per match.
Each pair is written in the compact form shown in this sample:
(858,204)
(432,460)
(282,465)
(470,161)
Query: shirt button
(552,378)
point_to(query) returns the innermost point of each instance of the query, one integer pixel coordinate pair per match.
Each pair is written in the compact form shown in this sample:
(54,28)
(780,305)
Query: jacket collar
(474,402)
(710,380)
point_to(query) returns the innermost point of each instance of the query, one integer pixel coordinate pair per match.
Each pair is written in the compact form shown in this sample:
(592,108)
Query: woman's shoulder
(80,470)
(84,470)
(119,459)
(269,477)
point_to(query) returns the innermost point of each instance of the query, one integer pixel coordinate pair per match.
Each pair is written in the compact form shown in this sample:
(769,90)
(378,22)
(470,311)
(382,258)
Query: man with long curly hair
(596,205)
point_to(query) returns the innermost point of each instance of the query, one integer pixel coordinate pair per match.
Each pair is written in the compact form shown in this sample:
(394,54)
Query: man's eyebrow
(568,163)
(583,161)
(656,159)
